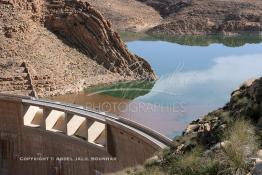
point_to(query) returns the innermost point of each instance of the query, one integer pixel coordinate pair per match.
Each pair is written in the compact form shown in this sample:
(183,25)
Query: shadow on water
(195,40)
(125,90)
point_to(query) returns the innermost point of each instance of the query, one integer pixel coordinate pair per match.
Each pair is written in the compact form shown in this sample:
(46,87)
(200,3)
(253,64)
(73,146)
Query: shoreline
(88,83)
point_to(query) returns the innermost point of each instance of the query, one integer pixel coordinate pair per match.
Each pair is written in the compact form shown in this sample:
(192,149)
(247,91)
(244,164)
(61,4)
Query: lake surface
(195,76)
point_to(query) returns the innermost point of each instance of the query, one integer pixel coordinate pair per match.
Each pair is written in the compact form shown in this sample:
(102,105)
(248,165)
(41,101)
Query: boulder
(257,170)
(191,128)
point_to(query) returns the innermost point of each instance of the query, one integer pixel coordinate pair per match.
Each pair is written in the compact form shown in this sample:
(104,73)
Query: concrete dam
(51,138)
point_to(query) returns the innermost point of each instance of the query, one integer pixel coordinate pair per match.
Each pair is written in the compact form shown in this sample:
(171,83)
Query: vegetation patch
(232,156)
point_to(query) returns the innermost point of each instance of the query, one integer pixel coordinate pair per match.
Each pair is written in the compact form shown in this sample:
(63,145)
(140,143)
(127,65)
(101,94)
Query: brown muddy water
(164,119)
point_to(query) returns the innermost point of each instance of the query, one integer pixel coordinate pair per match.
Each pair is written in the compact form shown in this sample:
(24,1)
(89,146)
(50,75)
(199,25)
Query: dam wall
(50,138)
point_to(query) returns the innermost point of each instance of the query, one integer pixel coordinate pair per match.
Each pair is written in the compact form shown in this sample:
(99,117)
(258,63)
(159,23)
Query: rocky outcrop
(245,102)
(67,45)
(87,30)
(167,7)
(225,141)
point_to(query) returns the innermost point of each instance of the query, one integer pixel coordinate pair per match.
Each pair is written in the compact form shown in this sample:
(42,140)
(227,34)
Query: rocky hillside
(128,15)
(227,138)
(214,16)
(187,16)
(245,103)
(138,15)
(225,141)
(66,44)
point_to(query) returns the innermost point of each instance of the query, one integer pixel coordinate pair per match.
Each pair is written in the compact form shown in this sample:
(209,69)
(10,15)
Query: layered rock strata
(86,29)
(67,45)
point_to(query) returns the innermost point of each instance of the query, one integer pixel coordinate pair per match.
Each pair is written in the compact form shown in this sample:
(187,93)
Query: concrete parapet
(36,128)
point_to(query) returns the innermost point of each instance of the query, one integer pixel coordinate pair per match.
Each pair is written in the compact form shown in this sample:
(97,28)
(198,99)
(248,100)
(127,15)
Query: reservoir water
(195,76)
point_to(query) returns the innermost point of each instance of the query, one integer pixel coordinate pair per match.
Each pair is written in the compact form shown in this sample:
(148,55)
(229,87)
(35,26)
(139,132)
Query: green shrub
(151,171)
(241,146)
(193,163)
(232,159)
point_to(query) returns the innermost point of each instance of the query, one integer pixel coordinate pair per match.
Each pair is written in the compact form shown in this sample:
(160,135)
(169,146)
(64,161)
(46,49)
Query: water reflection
(126,90)
(195,40)
(212,85)
(193,80)
(206,40)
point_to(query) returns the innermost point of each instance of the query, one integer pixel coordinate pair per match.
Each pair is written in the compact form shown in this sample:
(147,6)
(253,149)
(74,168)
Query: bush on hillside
(232,159)
(241,146)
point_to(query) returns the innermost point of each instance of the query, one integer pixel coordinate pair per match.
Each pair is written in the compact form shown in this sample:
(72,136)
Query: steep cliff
(67,45)
(86,29)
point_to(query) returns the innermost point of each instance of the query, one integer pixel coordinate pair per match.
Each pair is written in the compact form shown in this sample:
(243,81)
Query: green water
(125,90)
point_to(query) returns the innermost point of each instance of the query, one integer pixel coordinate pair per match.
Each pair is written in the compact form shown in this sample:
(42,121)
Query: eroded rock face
(67,45)
(86,29)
